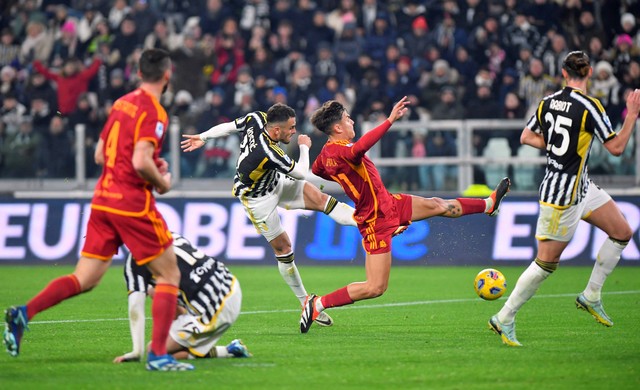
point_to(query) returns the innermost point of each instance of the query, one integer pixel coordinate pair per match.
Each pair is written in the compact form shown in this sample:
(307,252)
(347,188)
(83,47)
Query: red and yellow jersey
(135,117)
(358,177)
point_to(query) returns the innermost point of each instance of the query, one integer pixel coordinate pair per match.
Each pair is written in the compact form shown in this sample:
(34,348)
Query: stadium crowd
(63,63)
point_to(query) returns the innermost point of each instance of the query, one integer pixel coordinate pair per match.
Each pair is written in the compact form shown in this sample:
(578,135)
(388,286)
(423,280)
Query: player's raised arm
(368,140)
(196,141)
(617,144)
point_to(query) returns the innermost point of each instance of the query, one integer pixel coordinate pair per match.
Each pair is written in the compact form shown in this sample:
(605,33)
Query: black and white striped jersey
(204,281)
(260,160)
(568,119)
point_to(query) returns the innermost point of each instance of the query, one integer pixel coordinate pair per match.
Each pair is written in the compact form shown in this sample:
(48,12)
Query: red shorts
(376,235)
(146,236)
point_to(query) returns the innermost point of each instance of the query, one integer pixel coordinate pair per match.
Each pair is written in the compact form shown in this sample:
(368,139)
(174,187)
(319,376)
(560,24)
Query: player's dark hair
(577,64)
(326,116)
(279,113)
(153,63)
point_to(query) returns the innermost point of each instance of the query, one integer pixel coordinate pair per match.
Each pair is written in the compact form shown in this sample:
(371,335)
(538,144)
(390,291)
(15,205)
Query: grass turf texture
(428,331)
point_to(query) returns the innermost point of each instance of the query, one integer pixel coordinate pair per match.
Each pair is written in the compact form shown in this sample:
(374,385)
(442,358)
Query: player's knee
(376,290)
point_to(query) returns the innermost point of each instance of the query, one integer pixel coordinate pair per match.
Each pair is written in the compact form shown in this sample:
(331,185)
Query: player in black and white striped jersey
(266,177)
(210,300)
(566,124)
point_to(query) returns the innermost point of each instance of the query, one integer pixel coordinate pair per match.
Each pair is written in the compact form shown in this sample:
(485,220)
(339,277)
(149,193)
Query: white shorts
(560,224)
(263,212)
(188,331)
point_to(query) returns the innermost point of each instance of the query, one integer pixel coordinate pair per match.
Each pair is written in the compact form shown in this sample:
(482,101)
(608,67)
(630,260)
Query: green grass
(428,331)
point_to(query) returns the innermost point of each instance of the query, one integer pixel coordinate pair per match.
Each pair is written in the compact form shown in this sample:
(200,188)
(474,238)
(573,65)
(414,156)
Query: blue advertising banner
(36,231)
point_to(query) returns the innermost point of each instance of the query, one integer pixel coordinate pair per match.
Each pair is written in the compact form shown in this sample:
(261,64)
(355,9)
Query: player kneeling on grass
(209,303)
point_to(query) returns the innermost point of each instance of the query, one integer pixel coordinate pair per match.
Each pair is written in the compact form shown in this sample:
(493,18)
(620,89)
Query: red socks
(56,291)
(163,311)
(337,298)
(472,205)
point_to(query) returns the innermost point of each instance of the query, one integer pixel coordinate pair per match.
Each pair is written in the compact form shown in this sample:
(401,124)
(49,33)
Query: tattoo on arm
(453,210)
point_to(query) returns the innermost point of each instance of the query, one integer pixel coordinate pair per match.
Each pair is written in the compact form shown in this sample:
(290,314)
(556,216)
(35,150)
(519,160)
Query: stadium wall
(41,231)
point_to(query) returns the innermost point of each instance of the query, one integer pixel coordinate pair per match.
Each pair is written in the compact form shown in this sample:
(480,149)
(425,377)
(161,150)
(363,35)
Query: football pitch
(429,331)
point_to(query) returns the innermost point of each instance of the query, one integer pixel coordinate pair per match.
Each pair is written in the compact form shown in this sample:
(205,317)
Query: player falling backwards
(266,177)
(209,303)
(378,213)
(123,211)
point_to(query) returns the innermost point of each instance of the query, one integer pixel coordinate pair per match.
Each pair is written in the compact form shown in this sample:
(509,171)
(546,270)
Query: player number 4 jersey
(568,120)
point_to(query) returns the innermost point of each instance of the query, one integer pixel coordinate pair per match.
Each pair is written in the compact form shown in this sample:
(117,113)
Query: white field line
(370,306)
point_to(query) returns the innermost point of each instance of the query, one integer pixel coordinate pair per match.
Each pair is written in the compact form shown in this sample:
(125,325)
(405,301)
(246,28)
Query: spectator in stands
(631,77)
(189,62)
(145,18)
(543,15)
(20,152)
(87,25)
(255,13)
(244,85)
(9,49)
(553,57)
(605,86)
(125,41)
(381,36)
(66,46)
(587,28)
(367,14)
(160,37)
(622,54)
(56,154)
(101,36)
(407,14)
(300,88)
(9,83)
(320,32)
(415,42)
(283,10)
(513,109)
(466,66)
(215,13)
(229,52)
(518,34)
(12,112)
(284,40)
(442,76)
(407,79)
(348,47)
(534,86)
(117,13)
(325,65)
(40,114)
(72,81)
(37,44)
(345,13)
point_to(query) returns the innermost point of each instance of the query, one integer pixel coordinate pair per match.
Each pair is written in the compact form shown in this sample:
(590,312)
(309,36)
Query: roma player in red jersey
(123,211)
(379,214)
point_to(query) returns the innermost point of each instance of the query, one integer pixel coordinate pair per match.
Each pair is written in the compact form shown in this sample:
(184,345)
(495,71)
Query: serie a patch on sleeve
(159,129)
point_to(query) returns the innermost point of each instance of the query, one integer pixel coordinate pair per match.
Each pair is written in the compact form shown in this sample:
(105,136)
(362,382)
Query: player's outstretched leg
(506,332)
(595,309)
(165,362)
(15,324)
(497,195)
(238,349)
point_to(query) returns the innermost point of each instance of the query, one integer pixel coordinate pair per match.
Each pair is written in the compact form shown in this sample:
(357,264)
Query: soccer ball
(490,284)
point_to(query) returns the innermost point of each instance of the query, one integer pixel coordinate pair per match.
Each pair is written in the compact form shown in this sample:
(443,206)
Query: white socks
(526,287)
(607,259)
(137,320)
(340,212)
(290,274)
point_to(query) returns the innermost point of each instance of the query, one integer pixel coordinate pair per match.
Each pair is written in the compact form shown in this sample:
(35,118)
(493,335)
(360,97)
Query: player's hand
(192,142)
(304,139)
(633,102)
(167,184)
(399,110)
(127,357)
(163,165)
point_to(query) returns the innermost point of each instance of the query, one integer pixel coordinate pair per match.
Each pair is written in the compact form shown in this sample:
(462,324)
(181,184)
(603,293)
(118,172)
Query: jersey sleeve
(256,118)
(533,123)
(601,123)
(151,128)
(278,159)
